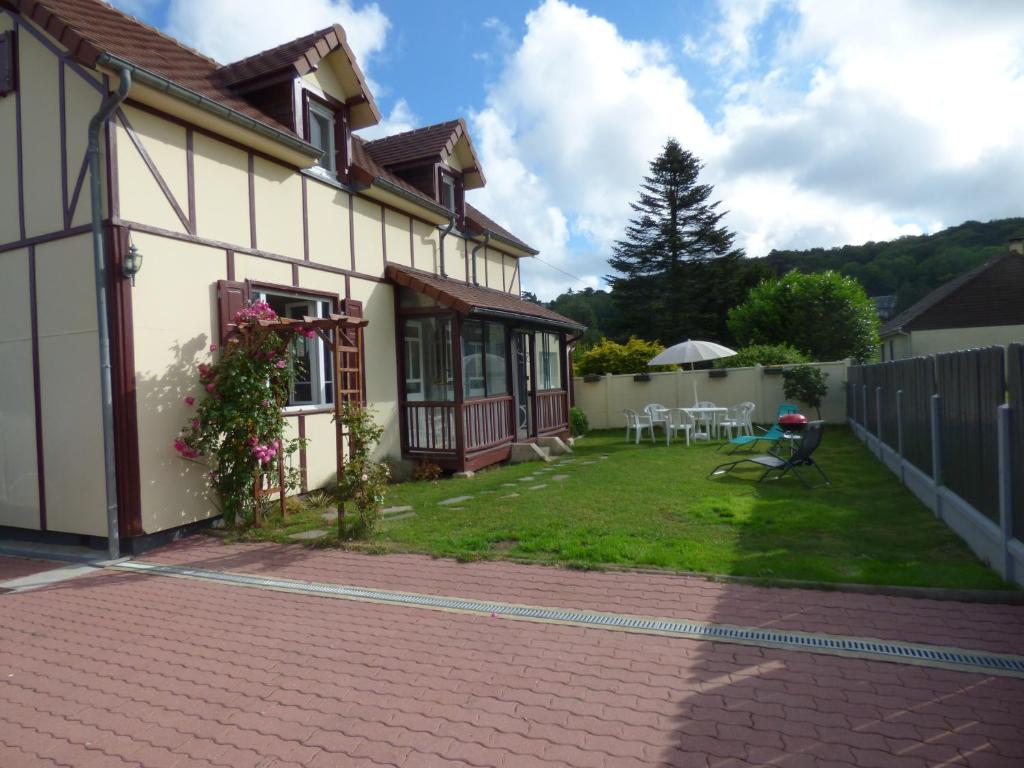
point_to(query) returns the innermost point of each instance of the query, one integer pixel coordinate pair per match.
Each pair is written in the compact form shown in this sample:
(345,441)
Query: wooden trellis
(343,334)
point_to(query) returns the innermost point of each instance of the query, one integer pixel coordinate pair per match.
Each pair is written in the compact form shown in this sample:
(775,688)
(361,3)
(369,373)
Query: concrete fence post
(936,418)
(878,419)
(899,433)
(607,384)
(864,411)
(1003,426)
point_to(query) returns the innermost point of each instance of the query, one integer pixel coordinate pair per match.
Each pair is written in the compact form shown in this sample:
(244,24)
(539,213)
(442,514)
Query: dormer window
(448,192)
(321,134)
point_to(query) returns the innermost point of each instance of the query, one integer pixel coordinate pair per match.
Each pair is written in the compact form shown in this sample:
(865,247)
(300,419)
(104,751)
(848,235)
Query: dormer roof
(446,142)
(302,56)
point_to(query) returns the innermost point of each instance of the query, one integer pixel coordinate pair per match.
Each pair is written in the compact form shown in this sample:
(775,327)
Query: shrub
(763,354)
(363,481)
(426,470)
(578,424)
(806,384)
(611,357)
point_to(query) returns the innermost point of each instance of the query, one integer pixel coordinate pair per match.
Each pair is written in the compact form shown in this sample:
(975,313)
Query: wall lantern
(132,262)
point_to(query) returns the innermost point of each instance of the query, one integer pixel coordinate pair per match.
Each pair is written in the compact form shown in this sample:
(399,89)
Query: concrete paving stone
(527,479)
(584,463)
(510,496)
(454,500)
(331,516)
(311,535)
(560,477)
(509,485)
(405,516)
(537,487)
(395,510)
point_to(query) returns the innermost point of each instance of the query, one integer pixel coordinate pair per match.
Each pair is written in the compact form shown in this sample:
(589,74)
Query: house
(982,307)
(230,183)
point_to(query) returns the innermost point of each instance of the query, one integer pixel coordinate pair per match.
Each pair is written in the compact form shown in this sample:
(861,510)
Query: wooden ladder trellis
(343,334)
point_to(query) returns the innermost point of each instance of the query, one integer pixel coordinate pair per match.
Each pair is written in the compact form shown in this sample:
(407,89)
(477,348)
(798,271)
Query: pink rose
(266,403)
(213,347)
(281,364)
(210,387)
(310,334)
(190,400)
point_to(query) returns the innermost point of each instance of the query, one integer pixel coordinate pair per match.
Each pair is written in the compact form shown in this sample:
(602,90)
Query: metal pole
(936,415)
(102,314)
(1003,427)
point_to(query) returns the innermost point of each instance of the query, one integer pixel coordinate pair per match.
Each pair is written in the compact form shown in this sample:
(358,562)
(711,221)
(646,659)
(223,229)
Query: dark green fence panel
(918,384)
(1015,397)
(972,386)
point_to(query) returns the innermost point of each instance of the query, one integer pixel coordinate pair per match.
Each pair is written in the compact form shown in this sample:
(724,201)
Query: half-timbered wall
(51,450)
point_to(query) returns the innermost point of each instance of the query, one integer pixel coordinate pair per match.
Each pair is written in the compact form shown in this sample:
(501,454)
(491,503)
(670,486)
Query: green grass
(654,506)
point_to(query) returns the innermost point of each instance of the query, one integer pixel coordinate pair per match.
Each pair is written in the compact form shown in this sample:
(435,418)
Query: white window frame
(318,381)
(330,153)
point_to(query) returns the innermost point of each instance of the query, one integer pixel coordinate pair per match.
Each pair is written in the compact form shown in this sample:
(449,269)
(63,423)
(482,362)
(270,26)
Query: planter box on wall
(718,373)
(642,377)
(773,371)
(591,378)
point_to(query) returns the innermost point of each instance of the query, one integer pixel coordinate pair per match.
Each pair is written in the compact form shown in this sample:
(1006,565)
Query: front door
(522,381)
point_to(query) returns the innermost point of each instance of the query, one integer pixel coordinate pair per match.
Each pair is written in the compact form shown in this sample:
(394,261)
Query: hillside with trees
(908,267)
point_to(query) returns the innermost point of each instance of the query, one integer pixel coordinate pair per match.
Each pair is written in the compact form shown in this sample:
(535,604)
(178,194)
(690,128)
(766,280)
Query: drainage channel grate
(908,653)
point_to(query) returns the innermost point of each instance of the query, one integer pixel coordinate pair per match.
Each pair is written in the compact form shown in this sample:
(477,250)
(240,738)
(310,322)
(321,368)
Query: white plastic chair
(738,418)
(678,421)
(659,416)
(637,423)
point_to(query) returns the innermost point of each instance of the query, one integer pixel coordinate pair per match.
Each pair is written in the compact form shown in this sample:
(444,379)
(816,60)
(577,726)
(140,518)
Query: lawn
(654,506)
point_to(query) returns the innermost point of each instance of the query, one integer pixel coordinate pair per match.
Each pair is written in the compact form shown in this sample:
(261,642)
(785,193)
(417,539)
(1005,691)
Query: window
(427,350)
(321,134)
(314,360)
(483,359)
(549,366)
(448,197)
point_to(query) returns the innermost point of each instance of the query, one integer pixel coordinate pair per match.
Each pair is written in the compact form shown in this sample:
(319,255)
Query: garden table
(713,412)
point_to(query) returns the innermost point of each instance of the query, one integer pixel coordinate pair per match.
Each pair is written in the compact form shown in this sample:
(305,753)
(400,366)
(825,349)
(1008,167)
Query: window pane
(497,383)
(321,136)
(427,346)
(473,359)
(549,370)
(448,192)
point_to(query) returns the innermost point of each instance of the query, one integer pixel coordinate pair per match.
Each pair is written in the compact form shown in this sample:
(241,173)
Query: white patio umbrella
(691,352)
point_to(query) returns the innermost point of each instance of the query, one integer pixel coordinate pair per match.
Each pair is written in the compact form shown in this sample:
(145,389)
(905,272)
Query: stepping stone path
(403,516)
(454,500)
(509,485)
(589,462)
(395,510)
(330,517)
(538,487)
(510,496)
(316,533)
(560,477)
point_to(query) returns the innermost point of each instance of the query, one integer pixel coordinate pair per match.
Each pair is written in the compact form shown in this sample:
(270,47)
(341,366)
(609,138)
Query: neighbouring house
(236,182)
(982,307)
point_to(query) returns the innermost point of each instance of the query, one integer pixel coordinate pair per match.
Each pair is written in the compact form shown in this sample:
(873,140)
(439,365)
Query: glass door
(522,383)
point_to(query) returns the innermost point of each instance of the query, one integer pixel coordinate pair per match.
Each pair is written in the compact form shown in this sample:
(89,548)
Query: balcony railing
(487,422)
(429,426)
(552,411)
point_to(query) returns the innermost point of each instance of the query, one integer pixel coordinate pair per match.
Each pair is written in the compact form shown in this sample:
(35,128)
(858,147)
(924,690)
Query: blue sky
(820,122)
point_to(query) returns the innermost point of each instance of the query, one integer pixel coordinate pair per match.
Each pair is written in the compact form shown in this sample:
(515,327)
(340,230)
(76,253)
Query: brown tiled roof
(990,294)
(474,299)
(417,144)
(273,59)
(90,27)
(478,221)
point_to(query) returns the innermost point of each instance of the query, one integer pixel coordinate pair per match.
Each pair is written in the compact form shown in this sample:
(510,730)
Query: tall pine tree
(665,288)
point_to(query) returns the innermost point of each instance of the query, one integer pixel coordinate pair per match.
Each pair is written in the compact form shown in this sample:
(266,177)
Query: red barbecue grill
(793,422)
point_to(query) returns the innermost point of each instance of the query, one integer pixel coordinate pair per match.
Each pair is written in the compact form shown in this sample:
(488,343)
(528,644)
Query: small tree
(825,315)
(806,384)
(363,481)
(763,354)
(611,357)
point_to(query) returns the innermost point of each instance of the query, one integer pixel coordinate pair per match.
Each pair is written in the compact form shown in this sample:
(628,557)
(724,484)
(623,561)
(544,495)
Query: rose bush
(363,481)
(238,428)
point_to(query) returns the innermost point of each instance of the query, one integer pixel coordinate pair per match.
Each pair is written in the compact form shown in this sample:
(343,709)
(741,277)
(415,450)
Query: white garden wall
(603,401)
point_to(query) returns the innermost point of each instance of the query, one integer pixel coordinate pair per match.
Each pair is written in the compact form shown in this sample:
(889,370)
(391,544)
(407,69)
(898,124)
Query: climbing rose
(190,400)
(213,347)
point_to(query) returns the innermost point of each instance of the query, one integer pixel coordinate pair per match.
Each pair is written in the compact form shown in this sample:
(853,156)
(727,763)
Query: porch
(478,370)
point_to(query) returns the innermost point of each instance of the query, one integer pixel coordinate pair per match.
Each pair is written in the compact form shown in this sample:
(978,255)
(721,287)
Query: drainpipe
(444,234)
(477,247)
(106,109)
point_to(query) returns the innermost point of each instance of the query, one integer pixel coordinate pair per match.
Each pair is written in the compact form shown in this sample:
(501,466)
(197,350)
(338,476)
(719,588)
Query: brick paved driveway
(121,669)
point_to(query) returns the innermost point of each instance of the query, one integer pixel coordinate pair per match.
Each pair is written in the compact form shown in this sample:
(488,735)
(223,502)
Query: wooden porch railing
(429,426)
(552,411)
(487,422)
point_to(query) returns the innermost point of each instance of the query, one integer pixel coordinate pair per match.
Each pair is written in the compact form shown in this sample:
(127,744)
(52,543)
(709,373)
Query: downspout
(477,247)
(444,234)
(98,120)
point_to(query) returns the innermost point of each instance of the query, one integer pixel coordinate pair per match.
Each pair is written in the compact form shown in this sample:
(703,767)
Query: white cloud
(866,122)
(256,25)
(400,119)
